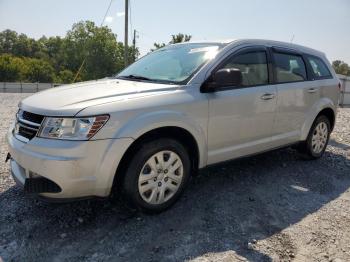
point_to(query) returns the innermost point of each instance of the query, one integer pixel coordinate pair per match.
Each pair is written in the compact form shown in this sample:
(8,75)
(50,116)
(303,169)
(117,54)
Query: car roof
(271,43)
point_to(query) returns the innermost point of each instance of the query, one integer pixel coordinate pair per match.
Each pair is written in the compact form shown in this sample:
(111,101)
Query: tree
(179,38)
(65,76)
(8,39)
(18,45)
(59,59)
(341,67)
(12,68)
(25,69)
(97,46)
(55,52)
(39,71)
(157,46)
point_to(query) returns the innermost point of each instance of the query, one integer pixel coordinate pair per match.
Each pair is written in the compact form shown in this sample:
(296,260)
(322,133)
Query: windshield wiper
(137,77)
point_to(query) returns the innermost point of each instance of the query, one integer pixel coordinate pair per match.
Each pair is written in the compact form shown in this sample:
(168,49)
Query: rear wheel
(157,175)
(317,140)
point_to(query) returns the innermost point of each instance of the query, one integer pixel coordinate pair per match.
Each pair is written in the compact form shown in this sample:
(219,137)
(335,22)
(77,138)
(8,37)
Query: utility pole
(134,45)
(126,36)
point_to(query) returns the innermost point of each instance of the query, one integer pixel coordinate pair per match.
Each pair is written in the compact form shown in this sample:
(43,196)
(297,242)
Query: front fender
(143,123)
(312,114)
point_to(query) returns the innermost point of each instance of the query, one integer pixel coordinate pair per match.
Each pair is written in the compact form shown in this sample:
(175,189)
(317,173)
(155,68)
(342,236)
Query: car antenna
(291,40)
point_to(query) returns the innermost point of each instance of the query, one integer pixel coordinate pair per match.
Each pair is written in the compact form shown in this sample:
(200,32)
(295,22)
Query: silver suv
(174,111)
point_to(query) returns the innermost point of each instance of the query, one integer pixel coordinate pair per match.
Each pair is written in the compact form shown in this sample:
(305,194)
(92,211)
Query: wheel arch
(180,134)
(325,107)
(330,114)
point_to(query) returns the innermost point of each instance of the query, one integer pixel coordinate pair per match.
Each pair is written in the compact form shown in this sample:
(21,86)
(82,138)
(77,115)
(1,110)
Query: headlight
(82,128)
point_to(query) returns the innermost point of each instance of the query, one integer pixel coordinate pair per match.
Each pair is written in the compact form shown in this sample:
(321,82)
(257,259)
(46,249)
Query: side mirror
(221,78)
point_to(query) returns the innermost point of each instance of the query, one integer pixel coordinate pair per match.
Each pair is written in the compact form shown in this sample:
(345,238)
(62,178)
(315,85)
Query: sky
(320,24)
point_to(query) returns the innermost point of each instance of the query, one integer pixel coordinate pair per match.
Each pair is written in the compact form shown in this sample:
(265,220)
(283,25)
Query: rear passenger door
(296,95)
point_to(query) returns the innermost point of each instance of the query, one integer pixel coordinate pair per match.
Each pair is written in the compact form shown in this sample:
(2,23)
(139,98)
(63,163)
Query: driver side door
(241,117)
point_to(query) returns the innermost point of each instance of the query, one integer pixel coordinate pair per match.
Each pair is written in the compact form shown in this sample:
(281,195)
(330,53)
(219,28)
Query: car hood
(68,100)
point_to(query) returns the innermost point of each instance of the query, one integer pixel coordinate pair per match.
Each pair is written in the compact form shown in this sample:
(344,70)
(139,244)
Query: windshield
(172,64)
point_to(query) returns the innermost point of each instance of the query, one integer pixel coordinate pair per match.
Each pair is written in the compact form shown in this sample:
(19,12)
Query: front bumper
(79,168)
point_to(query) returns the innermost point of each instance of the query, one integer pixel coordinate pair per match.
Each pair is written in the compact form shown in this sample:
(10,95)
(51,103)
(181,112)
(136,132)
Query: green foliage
(39,71)
(98,45)
(179,38)
(341,67)
(25,69)
(65,76)
(18,45)
(157,46)
(12,68)
(59,59)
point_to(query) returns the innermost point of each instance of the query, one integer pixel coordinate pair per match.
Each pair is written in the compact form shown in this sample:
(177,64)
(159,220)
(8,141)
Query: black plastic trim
(32,117)
(285,50)
(41,185)
(54,200)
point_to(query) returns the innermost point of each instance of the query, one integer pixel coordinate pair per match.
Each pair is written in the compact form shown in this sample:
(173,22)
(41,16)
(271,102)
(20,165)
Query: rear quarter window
(319,68)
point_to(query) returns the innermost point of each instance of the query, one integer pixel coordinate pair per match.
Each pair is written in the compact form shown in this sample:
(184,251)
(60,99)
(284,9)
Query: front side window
(289,68)
(172,64)
(253,66)
(319,68)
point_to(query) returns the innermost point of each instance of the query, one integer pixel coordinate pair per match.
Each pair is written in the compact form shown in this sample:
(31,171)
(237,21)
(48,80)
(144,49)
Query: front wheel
(317,140)
(157,175)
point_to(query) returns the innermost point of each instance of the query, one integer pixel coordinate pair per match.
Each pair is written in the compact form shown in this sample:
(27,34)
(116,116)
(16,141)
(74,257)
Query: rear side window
(319,68)
(289,68)
(253,66)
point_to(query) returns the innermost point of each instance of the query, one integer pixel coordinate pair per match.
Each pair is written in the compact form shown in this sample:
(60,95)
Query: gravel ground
(273,206)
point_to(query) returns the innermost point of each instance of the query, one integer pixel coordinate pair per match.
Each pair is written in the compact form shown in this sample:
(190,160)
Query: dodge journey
(145,131)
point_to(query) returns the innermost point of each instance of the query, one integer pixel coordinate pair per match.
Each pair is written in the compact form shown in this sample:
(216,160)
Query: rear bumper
(79,168)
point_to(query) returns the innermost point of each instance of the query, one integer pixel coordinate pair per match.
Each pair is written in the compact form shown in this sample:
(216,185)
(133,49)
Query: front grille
(27,124)
(27,133)
(32,117)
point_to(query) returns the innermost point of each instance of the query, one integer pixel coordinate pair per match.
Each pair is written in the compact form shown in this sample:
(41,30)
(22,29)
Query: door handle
(267,96)
(312,90)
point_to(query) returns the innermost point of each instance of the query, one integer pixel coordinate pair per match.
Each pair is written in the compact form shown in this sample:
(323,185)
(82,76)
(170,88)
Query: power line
(82,64)
(109,7)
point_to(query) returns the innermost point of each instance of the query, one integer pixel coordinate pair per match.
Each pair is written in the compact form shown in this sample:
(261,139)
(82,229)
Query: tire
(157,175)
(319,132)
